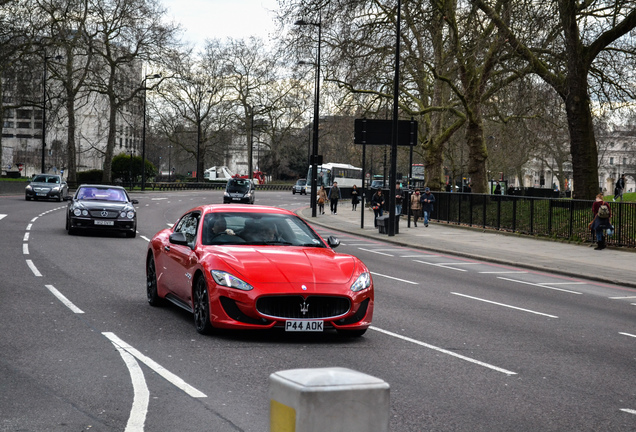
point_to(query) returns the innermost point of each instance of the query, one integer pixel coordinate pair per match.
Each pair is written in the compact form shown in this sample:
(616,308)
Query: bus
(346,175)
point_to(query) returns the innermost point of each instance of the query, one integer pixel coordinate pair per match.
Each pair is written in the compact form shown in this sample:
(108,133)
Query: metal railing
(548,217)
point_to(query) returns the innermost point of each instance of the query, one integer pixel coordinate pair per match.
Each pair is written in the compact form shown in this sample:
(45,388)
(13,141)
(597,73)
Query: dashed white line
(502,272)
(28,228)
(439,265)
(26,237)
(629,411)
(451,353)
(504,305)
(25,248)
(172,378)
(2,216)
(627,334)
(621,298)
(34,219)
(539,285)
(375,252)
(394,278)
(33,268)
(66,302)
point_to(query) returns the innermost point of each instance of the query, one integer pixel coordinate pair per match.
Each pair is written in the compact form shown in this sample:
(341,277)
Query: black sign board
(378,132)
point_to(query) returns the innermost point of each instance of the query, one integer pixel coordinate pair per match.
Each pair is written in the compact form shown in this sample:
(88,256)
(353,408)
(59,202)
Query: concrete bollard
(328,400)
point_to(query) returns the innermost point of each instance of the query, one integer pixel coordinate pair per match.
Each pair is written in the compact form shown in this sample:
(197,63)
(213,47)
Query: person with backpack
(601,222)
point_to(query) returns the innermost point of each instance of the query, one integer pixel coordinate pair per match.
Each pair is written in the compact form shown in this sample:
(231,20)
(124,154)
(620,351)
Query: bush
(91,176)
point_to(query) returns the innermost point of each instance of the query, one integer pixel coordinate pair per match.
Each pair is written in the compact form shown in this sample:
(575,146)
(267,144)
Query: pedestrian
(416,206)
(322,197)
(355,199)
(619,188)
(377,204)
(334,195)
(602,215)
(427,205)
(498,189)
(398,199)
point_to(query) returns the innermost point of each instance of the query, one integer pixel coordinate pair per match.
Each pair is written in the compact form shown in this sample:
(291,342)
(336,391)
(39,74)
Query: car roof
(241,208)
(101,186)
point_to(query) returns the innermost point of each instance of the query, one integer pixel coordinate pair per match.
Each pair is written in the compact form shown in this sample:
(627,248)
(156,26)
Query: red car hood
(288,264)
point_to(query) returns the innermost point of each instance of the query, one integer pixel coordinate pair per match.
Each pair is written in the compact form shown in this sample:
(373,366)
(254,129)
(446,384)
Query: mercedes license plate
(104,222)
(304,326)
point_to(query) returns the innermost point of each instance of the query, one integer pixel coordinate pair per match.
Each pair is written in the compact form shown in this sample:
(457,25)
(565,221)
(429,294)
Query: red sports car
(257,267)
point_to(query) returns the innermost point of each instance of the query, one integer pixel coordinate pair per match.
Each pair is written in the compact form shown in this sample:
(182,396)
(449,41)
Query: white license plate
(41,194)
(236,199)
(304,326)
(103,222)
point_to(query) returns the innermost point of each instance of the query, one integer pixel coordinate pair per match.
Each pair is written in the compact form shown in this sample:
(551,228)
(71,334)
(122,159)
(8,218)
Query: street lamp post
(143,135)
(314,152)
(57,57)
(169,163)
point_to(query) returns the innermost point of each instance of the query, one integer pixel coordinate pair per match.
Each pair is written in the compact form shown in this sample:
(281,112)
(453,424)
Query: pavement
(580,260)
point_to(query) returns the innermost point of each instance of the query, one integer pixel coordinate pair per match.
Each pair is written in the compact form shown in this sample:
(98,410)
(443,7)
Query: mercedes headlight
(363,282)
(226,279)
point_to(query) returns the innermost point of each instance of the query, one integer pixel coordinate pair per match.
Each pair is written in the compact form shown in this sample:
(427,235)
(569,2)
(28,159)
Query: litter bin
(382,222)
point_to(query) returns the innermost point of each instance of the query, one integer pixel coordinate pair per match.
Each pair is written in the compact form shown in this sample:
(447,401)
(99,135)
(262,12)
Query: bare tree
(575,42)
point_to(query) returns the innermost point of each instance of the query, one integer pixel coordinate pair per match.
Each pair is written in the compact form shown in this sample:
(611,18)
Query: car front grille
(106,214)
(298,307)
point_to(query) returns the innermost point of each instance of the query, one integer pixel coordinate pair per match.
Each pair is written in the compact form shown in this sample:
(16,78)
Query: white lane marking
(26,237)
(375,252)
(2,216)
(25,248)
(562,283)
(28,228)
(439,265)
(539,285)
(33,268)
(502,272)
(451,353)
(621,298)
(158,199)
(172,378)
(34,219)
(504,305)
(394,278)
(420,256)
(145,238)
(66,302)
(627,334)
(458,263)
(141,395)
(628,411)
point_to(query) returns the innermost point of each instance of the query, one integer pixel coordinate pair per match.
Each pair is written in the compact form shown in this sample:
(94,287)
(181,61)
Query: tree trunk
(582,142)
(477,154)
(71,158)
(110,144)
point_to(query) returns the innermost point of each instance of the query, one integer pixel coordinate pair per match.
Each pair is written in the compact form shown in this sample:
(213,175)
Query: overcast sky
(207,19)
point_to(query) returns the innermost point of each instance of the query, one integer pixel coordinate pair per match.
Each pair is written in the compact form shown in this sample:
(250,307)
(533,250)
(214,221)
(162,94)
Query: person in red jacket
(602,214)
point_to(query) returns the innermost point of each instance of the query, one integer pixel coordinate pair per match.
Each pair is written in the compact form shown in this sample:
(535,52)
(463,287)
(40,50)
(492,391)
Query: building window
(24,114)
(7,124)
(24,125)
(611,161)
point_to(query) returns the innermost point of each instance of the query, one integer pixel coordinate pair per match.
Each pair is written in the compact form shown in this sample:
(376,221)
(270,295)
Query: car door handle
(166,248)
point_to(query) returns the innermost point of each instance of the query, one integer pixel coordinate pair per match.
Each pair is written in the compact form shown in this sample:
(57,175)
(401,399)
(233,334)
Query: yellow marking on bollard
(282,418)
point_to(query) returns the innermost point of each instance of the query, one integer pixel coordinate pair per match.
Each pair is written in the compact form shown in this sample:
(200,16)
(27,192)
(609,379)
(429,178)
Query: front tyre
(201,307)
(151,283)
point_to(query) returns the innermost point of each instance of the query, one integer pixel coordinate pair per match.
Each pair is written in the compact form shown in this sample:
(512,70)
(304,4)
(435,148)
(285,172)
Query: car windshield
(101,194)
(46,179)
(257,229)
(238,186)
(301,182)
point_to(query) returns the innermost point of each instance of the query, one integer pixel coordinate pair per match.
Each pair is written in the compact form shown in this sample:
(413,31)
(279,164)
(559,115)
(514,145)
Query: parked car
(257,267)
(46,186)
(300,187)
(101,207)
(239,190)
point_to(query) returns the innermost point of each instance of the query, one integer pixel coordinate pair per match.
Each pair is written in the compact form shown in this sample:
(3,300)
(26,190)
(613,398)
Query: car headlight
(363,282)
(226,279)
(226,194)
(77,212)
(130,214)
(29,187)
(55,189)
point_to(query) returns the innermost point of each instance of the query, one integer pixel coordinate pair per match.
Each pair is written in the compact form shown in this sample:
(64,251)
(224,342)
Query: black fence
(548,217)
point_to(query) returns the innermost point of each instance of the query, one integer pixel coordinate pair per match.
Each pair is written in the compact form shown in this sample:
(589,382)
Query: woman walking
(322,197)
(416,206)
(601,222)
(355,199)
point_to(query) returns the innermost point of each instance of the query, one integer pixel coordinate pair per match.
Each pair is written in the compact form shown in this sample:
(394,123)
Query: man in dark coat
(427,205)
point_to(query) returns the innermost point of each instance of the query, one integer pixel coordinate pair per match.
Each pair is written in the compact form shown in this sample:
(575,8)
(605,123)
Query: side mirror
(68,197)
(333,242)
(178,238)
(134,201)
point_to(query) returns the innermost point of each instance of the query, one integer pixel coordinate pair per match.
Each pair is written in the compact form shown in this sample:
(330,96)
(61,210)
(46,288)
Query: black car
(46,186)
(300,187)
(101,207)
(239,191)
